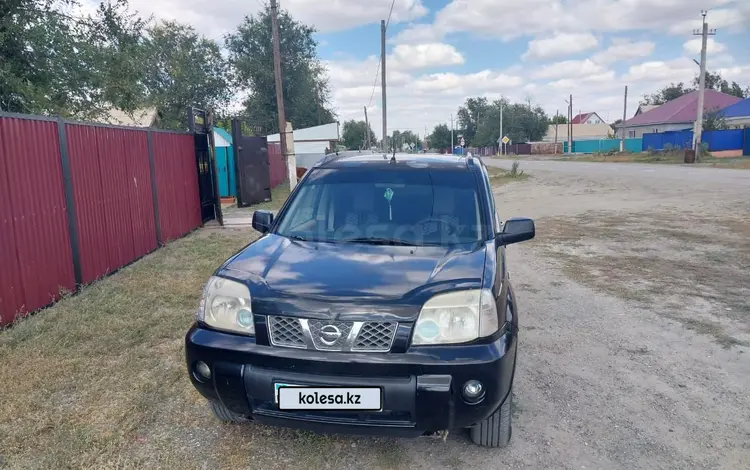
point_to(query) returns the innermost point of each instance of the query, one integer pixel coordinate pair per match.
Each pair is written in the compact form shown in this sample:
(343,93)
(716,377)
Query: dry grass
(99,381)
(649,157)
(500,176)
(695,271)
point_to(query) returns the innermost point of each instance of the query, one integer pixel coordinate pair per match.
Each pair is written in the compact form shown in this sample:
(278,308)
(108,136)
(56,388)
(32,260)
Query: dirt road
(636,321)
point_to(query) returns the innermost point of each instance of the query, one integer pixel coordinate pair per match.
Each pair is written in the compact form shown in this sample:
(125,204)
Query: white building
(311,143)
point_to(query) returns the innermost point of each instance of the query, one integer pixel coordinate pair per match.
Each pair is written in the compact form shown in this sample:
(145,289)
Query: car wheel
(225,414)
(494,431)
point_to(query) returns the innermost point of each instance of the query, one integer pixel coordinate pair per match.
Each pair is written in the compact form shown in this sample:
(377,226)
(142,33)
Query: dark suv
(378,301)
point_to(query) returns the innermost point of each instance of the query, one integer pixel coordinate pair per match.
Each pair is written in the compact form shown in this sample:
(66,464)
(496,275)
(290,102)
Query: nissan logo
(329,334)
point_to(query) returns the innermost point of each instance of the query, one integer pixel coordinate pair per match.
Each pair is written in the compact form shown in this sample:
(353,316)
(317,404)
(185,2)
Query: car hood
(353,270)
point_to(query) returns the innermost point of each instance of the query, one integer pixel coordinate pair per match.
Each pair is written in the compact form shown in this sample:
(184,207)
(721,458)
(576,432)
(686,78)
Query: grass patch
(499,176)
(669,157)
(99,381)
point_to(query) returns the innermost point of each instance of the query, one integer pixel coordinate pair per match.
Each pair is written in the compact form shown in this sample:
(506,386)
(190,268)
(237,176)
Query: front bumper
(421,387)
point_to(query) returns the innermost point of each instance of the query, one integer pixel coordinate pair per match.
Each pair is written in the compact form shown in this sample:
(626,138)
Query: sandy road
(611,376)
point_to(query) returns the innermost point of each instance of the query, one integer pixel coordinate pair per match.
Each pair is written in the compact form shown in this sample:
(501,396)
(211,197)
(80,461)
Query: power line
(387,22)
(377,70)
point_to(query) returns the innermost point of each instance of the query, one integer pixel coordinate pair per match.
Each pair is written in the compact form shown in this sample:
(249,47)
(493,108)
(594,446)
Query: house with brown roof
(676,115)
(587,118)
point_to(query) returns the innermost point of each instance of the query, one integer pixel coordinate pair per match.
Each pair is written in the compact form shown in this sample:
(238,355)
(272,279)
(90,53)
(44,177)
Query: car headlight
(456,317)
(225,305)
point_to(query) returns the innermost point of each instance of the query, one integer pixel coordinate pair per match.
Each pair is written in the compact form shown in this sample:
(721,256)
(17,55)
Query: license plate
(276,388)
(295,397)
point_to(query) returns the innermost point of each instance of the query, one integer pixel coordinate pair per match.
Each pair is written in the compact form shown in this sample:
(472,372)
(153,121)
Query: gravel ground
(608,380)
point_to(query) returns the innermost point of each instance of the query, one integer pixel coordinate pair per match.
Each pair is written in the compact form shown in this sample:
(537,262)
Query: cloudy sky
(439,52)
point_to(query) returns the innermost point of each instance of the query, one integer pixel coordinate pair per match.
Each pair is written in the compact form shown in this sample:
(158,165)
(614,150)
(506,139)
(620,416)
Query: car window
(491,198)
(414,206)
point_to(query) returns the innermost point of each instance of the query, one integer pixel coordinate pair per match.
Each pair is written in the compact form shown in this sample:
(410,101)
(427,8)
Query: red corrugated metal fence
(36,262)
(176,184)
(112,189)
(276,164)
(72,213)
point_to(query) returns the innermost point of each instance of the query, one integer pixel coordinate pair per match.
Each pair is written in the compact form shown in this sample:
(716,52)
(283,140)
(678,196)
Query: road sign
(506,139)
(462,142)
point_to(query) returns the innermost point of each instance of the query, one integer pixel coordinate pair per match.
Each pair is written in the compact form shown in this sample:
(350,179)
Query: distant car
(378,301)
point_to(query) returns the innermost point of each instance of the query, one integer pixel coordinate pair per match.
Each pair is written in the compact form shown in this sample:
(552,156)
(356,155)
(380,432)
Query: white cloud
(624,50)
(484,81)
(560,45)
(417,34)
(215,18)
(663,72)
(569,69)
(419,56)
(694,46)
(508,19)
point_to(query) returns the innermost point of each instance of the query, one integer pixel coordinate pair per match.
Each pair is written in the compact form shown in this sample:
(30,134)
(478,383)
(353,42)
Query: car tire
(495,431)
(225,414)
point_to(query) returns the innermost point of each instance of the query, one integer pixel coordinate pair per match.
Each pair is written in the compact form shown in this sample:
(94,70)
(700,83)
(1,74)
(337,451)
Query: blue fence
(747,142)
(677,139)
(717,141)
(603,145)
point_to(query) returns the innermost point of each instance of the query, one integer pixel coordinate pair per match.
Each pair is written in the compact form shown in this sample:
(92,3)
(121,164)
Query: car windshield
(379,206)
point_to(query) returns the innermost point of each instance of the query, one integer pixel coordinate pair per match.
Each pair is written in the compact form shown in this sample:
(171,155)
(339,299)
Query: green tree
(559,119)
(305,85)
(184,69)
(400,139)
(520,123)
(54,63)
(354,135)
(39,71)
(667,93)
(714,121)
(469,116)
(440,137)
(714,81)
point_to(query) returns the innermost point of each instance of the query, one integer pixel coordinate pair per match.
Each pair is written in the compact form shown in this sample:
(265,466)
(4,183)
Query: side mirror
(262,220)
(516,230)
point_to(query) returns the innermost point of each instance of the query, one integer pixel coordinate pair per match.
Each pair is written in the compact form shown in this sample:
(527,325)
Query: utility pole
(367,129)
(557,119)
(382,80)
(280,95)
(569,124)
(502,144)
(705,32)
(624,117)
(451,133)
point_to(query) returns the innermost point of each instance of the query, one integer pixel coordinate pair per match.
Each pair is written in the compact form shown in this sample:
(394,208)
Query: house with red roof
(676,115)
(587,118)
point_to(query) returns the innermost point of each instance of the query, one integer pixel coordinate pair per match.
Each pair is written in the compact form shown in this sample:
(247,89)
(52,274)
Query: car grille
(287,332)
(324,335)
(375,337)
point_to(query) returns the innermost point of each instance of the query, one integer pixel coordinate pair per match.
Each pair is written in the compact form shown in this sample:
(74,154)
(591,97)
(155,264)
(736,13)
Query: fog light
(202,371)
(473,391)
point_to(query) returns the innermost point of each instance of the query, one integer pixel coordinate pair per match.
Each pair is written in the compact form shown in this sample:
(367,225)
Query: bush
(514,171)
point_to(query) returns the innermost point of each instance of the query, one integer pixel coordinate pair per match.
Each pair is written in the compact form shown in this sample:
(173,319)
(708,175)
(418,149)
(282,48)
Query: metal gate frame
(200,123)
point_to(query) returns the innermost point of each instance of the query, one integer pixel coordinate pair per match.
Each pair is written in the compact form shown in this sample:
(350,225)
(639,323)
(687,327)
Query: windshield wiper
(379,241)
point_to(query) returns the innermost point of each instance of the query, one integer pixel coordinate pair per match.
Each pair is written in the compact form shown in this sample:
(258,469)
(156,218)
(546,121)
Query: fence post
(70,206)
(154,193)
